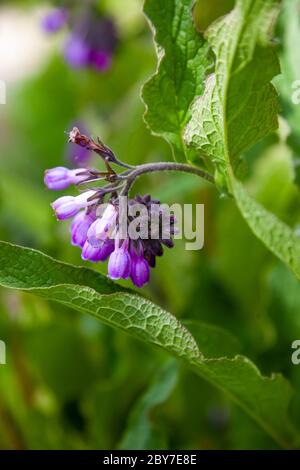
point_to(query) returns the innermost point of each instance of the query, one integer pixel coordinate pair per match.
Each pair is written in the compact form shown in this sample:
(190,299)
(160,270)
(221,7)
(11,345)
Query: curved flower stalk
(131,235)
(92,39)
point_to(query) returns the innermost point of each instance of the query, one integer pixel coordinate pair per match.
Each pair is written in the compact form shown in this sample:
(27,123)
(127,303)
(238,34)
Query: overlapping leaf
(239,105)
(182,55)
(288,83)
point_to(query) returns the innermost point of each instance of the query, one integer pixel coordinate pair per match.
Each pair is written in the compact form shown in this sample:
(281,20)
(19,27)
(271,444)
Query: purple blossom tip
(68,206)
(119,265)
(106,249)
(60,178)
(80,226)
(77,52)
(140,271)
(103,227)
(89,253)
(65,207)
(101,60)
(55,20)
(101,253)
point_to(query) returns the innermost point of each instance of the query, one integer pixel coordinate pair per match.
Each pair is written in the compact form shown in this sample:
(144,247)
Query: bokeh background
(71,382)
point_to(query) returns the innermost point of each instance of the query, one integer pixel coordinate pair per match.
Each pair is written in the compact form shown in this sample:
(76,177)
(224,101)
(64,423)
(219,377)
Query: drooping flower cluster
(100,228)
(93,38)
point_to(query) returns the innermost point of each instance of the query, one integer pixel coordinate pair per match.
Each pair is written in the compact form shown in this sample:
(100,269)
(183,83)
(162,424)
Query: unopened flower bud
(68,206)
(60,178)
(119,265)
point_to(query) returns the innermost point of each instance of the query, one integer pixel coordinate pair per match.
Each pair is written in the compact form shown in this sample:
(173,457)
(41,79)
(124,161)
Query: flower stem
(163,166)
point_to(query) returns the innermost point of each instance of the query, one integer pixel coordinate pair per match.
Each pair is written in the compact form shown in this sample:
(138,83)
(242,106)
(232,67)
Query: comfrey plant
(212,98)
(93,38)
(131,233)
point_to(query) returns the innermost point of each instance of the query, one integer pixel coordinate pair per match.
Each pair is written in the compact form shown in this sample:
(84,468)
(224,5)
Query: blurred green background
(70,382)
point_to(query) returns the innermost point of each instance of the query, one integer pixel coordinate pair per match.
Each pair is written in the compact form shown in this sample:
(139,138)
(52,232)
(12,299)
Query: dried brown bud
(76,137)
(105,152)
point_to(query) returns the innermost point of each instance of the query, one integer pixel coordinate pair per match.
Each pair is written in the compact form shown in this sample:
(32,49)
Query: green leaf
(266,400)
(92,293)
(288,83)
(208,340)
(239,106)
(182,64)
(276,235)
(290,61)
(141,432)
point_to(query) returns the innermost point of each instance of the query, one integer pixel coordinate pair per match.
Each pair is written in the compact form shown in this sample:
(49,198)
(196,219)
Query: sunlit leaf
(182,64)
(239,105)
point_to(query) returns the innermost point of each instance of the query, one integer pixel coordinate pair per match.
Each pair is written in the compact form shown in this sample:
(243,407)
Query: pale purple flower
(106,249)
(95,254)
(101,60)
(61,178)
(78,155)
(55,20)
(119,264)
(77,52)
(100,236)
(103,227)
(93,37)
(68,206)
(140,270)
(80,226)
(90,253)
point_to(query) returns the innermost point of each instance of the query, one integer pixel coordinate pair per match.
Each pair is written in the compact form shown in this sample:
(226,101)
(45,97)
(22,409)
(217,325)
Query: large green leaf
(238,108)
(90,292)
(239,105)
(288,83)
(182,55)
(290,62)
(266,400)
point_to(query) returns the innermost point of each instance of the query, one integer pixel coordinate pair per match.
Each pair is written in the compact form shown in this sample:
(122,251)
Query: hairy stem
(163,166)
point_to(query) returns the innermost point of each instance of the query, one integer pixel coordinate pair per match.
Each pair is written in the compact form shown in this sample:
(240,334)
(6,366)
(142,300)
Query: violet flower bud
(80,226)
(106,249)
(55,20)
(101,60)
(61,178)
(140,270)
(103,227)
(77,52)
(119,265)
(90,253)
(68,206)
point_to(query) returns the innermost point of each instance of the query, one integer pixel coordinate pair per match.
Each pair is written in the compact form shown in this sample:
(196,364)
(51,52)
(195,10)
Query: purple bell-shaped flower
(119,264)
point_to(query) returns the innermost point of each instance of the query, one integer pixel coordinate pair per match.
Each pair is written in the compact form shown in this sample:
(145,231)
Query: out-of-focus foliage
(72,382)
